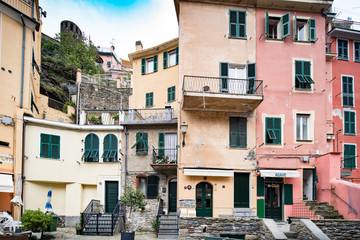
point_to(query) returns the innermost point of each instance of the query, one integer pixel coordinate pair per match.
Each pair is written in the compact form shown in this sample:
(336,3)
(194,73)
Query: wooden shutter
(241,24)
(266,24)
(155,63)
(357,51)
(242,132)
(161,144)
(44,145)
(312,30)
(251,76)
(315,180)
(55,146)
(106,147)
(260,186)
(177,55)
(145,142)
(285,25)
(224,74)
(233,132)
(277,130)
(295,28)
(152,186)
(288,191)
(352,122)
(143,69)
(165,58)
(232,23)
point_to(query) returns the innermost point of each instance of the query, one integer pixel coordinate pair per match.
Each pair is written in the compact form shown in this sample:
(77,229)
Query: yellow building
(155,75)
(20,42)
(218,93)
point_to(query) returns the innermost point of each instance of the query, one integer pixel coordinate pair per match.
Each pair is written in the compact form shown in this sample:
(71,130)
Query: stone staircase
(323,210)
(285,228)
(244,213)
(168,227)
(98,225)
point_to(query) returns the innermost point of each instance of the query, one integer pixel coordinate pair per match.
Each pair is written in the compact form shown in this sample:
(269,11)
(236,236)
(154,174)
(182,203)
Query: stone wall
(142,221)
(101,97)
(198,228)
(339,228)
(303,232)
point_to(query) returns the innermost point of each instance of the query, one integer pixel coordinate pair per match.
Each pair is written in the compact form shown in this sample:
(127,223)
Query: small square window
(343,49)
(149,99)
(172,58)
(349,159)
(302,127)
(150,65)
(237,24)
(273,130)
(303,78)
(349,123)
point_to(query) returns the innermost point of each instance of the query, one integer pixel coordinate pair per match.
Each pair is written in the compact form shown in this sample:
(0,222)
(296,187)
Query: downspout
(22,62)
(32,9)
(22,165)
(125,173)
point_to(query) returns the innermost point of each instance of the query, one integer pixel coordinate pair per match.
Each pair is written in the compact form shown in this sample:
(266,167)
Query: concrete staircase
(285,228)
(168,227)
(323,210)
(244,213)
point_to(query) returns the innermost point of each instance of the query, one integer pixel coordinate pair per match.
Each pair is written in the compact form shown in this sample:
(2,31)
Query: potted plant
(78,229)
(116,118)
(36,221)
(131,198)
(94,120)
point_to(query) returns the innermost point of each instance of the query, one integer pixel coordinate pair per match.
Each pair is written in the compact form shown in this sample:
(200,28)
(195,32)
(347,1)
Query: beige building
(155,75)
(79,162)
(20,41)
(218,93)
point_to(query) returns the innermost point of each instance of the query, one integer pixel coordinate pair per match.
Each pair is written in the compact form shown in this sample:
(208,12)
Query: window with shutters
(302,127)
(91,150)
(303,79)
(167,150)
(149,65)
(350,156)
(110,146)
(237,78)
(272,130)
(171,94)
(349,123)
(347,91)
(237,24)
(149,99)
(343,49)
(277,27)
(152,189)
(238,132)
(49,146)
(304,29)
(141,143)
(171,58)
(356,51)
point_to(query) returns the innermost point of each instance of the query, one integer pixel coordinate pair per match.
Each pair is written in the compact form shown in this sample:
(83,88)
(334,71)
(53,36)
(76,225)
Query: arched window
(91,153)
(110,148)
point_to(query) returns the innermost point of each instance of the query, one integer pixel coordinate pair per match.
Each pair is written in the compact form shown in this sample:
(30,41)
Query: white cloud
(152,23)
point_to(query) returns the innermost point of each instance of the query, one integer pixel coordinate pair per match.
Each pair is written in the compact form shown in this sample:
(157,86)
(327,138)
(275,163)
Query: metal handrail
(91,209)
(169,156)
(159,212)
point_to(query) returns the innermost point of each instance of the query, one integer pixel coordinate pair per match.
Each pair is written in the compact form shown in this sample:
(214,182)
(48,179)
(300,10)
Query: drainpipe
(125,172)
(22,62)
(22,167)
(32,9)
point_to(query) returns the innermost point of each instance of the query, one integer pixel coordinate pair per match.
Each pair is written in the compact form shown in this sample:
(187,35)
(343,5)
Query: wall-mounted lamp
(183,129)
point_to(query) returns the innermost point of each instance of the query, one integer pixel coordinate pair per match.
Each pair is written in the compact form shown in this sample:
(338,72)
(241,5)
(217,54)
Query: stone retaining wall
(339,228)
(198,228)
(303,232)
(142,221)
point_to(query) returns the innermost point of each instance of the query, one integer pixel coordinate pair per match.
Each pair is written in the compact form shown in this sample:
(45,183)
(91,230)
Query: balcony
(129,117)
(221,94)
(165,159)
(329,54)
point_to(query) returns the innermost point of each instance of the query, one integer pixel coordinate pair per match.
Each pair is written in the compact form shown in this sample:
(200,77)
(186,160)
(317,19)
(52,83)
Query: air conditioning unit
(305,159)
(330,136)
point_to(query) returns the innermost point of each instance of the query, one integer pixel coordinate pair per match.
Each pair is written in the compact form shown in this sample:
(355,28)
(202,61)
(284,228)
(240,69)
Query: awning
(6,183)
(279,173)
(208,172)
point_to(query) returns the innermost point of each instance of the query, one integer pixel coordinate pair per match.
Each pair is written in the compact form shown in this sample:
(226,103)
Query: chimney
(138,46)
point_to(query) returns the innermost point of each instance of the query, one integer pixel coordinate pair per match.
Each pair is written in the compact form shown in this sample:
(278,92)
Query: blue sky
(126,21)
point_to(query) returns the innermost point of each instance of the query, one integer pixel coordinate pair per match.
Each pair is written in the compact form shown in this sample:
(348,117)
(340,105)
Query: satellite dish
(206,88)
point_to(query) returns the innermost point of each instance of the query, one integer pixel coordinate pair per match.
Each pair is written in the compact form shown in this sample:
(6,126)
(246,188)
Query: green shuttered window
(238,134)
(285,25)
(110,148)
(251,76)
(149,99)
(141,143)
(143,68)
(165,59)
(161,144)
(343,49)
(350,156)
(347,91)
(237,24)
(260,186)
(303,78)
(152,190)
(171,94)
(155,63)
(312,30)
(288,191)
(349,122)
(273,130)
(91,152)
(224,74)
(357,51)
(49,146)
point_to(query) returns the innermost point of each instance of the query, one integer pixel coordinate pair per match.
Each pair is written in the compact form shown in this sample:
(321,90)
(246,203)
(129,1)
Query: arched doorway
(172,195)
(204,200)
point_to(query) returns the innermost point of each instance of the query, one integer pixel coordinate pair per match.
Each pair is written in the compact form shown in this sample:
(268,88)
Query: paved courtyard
(70,233)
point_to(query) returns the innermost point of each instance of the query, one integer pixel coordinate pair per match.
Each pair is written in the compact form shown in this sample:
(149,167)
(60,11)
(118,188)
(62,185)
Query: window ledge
(170,66)
(299,140)
(348,106)
(357,61)
(274,40)
(142,154)
(238,148)
(149,73)
(343,59)
(240,38)
(47,158)
(350,134)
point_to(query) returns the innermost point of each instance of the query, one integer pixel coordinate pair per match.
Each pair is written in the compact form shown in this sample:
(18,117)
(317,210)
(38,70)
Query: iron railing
(165,155)
(118,210)
(116,117)
(91,209)
(55,104)
(201,84)
(160,211)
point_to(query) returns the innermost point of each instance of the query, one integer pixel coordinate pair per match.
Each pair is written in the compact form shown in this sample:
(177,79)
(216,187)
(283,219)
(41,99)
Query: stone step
(164,227)
(172,217)
(325,212)
(291,234)
(168,222)
(311,203)
(237,210)
(168,236)
(168,231)
(335,216)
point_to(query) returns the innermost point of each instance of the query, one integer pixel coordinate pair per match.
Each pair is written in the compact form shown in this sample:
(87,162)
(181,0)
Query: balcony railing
(116,117)
(165,156)
(200,84)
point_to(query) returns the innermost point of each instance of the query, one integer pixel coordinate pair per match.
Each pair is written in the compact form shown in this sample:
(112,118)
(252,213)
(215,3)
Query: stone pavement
(70,233)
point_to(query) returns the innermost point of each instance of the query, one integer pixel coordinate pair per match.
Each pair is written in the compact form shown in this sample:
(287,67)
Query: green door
(241,190)
(111,195)
(172,196)
(273,201)
(203,200)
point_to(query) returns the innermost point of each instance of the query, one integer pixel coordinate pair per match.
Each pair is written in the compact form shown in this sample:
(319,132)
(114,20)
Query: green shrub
(35,220)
